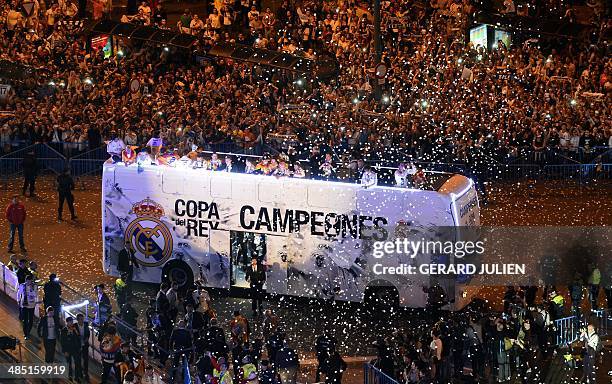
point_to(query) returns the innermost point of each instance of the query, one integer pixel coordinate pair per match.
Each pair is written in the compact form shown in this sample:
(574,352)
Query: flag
(186,374)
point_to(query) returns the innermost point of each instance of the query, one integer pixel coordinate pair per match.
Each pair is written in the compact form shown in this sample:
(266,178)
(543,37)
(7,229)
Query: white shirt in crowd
(592,340)
(404,176)
(400,178)
(172,298)
(28,291)
(201,296)
(51,328)
(115,147)
(369,179)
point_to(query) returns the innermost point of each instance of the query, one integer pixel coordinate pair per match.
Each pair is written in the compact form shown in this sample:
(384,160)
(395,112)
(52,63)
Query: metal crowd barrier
(9,286)
(373,375)
(568,329)
(503,172)
(578,172)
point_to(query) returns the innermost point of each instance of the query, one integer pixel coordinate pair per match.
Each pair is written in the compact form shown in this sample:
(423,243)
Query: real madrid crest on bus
(147,236)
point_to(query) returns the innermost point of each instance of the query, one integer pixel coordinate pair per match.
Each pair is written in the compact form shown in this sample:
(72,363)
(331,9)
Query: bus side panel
(413,213)
(108,180)
(168,241)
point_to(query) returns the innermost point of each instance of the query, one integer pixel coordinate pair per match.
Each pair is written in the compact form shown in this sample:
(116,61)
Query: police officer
(30,171)
(557,303)
(65,185)
(324,346)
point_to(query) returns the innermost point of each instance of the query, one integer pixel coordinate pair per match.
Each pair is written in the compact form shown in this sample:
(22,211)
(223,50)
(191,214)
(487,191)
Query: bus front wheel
(179,272)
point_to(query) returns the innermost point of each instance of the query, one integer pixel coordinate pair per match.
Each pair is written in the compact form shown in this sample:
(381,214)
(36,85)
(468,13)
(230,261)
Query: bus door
(212,254)
(245,246)
(276,264)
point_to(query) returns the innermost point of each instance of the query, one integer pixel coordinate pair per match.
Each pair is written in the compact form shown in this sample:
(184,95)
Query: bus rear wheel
(179,272)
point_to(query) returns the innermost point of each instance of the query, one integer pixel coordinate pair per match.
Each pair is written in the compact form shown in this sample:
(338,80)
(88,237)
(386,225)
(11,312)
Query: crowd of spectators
(443,99)
(521,343)
(182,328)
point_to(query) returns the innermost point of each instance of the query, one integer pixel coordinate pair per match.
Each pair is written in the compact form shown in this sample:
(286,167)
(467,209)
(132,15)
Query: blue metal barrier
(603,319)
(85,167)
(10,167)
(47,157)
(568,329)
(578,172)
(509,172)
(93,154)
(373,375)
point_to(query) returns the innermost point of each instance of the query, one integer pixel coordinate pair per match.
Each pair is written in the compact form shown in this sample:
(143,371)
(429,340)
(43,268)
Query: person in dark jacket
(324,346)
(129,315)
(23,271)
(65,185)
(49,331)
(287,364)
(103,305)
(30,171)
(124,361)
(576,293)
(206,366)
(256,276)
(275,343)
(267,374)
(162,304)
(335,366)
(194,321)
(126,263)
(214,340)
(16,215)
(53,294)
(384,357)
(84,334)
(180,340)
(71,347)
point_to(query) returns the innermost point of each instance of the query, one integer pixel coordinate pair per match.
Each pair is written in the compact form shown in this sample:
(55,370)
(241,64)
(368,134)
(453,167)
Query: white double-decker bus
(314,237)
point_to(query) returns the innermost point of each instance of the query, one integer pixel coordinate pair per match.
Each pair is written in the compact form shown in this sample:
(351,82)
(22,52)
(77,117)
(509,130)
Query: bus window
(293,193)
(172,182)
(270,190)
(197,185)
(242,189)
(375,201)
(245,246)
(147,179)
(327,195)
(220,186)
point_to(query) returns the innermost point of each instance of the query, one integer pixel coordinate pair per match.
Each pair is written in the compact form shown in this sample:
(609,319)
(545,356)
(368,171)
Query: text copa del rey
(199,217)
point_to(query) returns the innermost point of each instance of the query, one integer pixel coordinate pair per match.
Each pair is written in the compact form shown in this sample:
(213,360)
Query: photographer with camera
(593,345)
